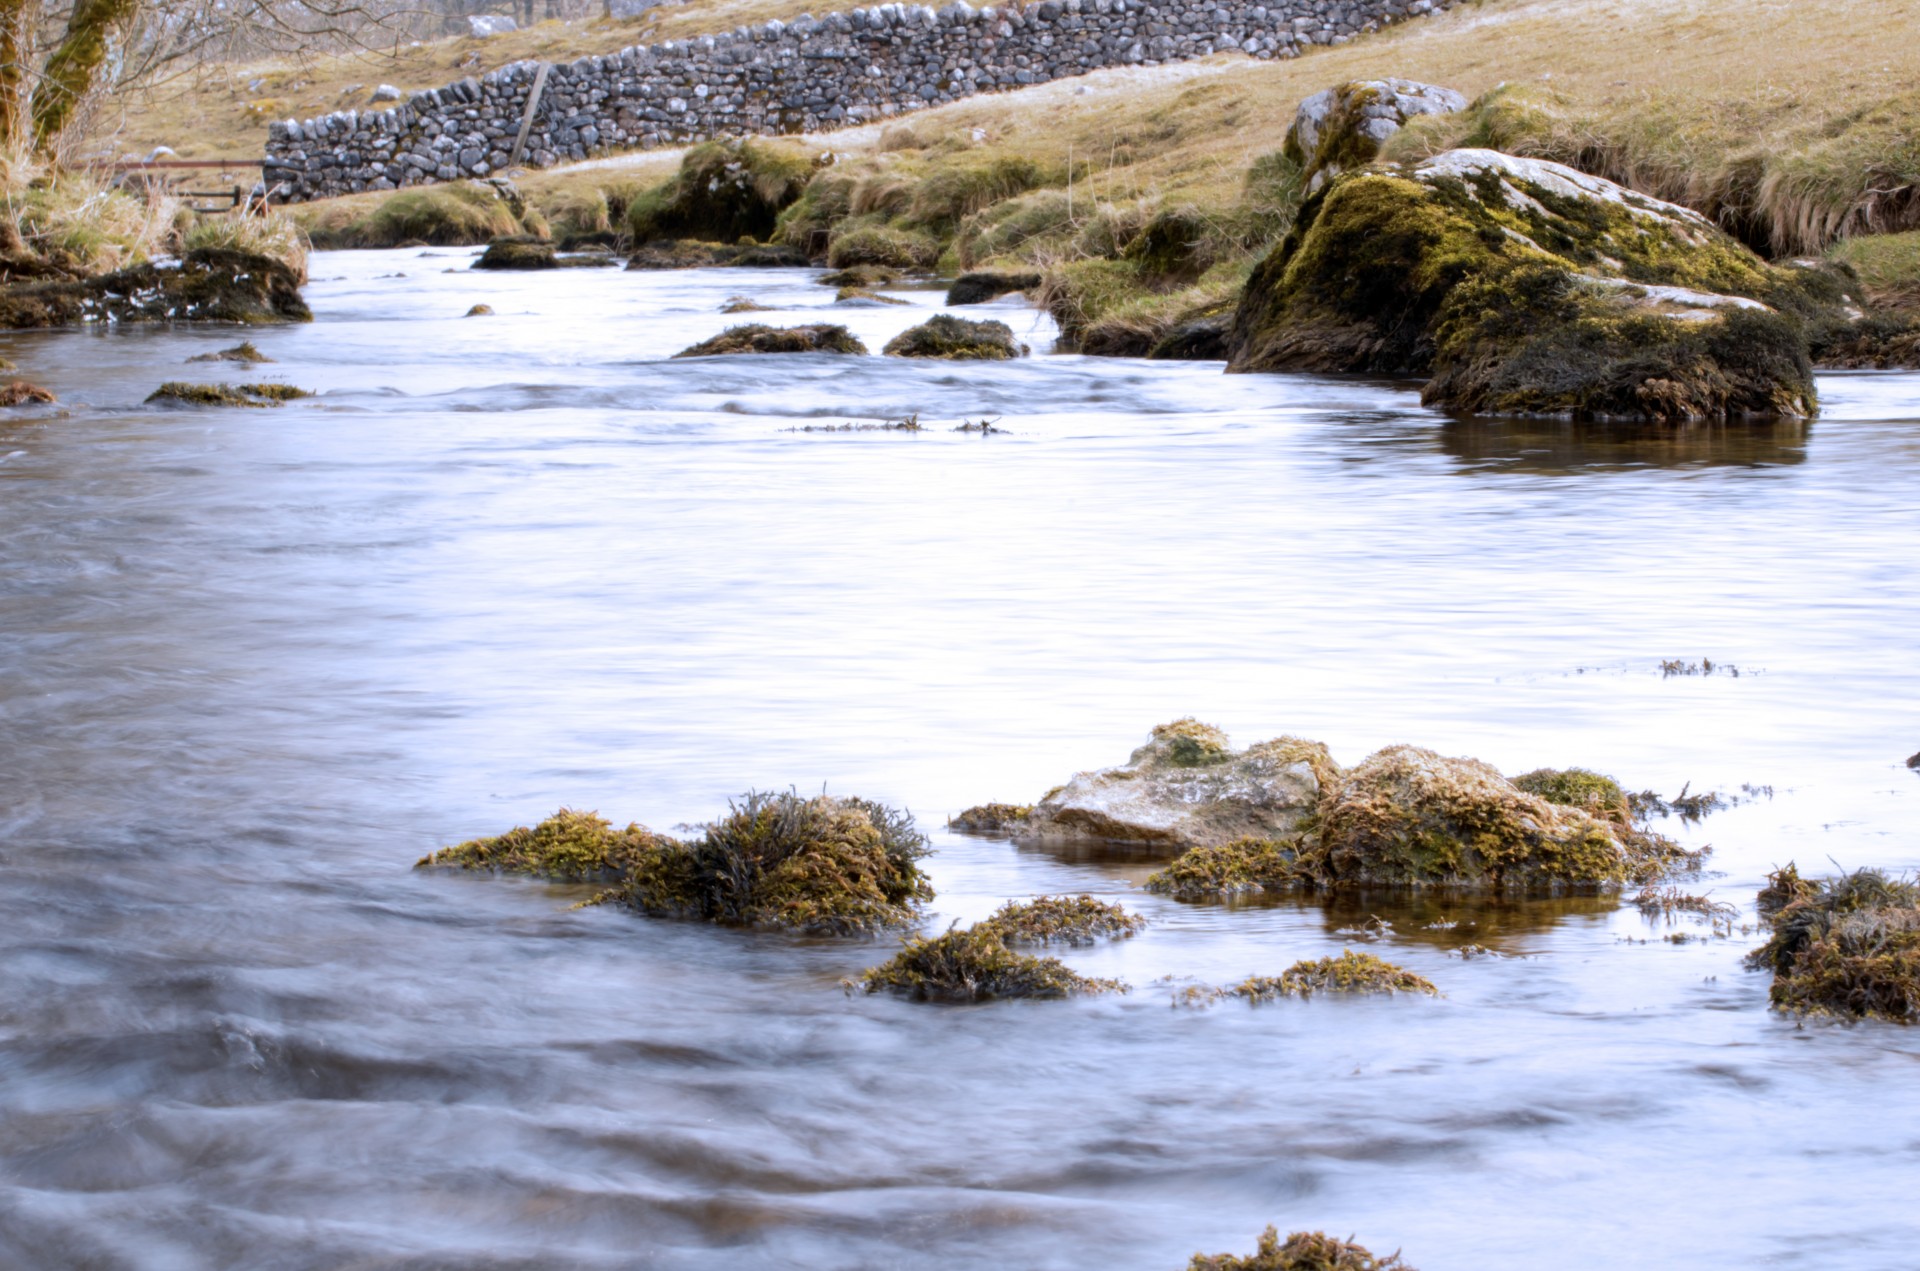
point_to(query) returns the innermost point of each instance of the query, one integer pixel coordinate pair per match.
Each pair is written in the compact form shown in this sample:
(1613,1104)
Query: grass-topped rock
(756,337)
(1302,1251)
(518,253)
(184,394)
(1846,946)
(1342,127)
(1231,869)
(724,190)
(957,340)
(1522,286)
(1351,973)
(974,964)
(820,864)
(208,284)
(1062,920)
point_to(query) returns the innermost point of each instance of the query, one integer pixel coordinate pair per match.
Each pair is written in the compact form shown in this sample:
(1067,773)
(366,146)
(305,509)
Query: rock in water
(1526,287)
(757,337)
(21,393)
(1186,788)
(957,340)
(1342,127)
(209,284)
(517,253)
(983,285)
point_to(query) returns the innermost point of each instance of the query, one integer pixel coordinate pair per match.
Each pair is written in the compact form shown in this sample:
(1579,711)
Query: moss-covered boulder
(991,818)
(518,253)
(1525,287)
(821,864)
(209,284)
(1846,946)
(982,285)
(180,393)
(1409,817)
(974,964)
(1302,1251)
(1187,787)
(724,190)
(757,337)
(1343,127)
(957,340)
(887,246)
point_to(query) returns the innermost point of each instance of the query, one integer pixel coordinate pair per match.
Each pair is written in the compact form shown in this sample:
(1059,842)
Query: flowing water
(258,661)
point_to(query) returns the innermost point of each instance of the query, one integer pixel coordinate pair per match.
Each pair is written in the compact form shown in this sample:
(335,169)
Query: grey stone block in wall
(808,75)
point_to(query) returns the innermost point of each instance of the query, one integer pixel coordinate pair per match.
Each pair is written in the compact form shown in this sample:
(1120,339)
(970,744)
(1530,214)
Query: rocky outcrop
(804,76)
(211,284)
(1525,287)
(1343,127)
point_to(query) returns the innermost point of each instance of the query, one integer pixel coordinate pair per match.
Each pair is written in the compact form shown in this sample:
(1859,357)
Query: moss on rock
(518,253)
(1350,973)
(973,964)
(569,846)
(242,352)
(882,245)
(723,191)
(1231,869)
(226,394)
(866,276)
(1846,946)
(759,338)
(1303,1251)
(1062,920)
(990,818)
(1526,287)
(982,285)
(209,284)
(957,340)
(1343,127)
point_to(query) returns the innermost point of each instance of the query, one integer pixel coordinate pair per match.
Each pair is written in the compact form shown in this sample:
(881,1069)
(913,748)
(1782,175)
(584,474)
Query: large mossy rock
(1525,287)
(957,340)
(209,284)
(757,337)
(1187,787)
(1343,127)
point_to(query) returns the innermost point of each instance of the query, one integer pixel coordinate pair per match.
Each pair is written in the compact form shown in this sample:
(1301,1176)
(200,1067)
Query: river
(258,661)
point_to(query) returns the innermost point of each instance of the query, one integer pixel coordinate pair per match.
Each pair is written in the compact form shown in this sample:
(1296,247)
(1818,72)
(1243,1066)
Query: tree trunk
(16,56)
(72,69)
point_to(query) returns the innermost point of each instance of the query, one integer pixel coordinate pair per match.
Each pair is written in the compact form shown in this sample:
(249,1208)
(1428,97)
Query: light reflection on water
(256,662)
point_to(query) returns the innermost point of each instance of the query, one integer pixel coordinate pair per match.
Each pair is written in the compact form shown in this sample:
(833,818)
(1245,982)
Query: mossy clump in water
(957,339)
(1062,920)
(983,285)
(758,338)
(1784,886)
(1846,946)
(973,964)
(1525,287)
(568,846)
(1597,795)
(868,276)
(1353,973)
(21,393)
(1303,1251)
(1409,817)
(991,818)
(882,245)
(722,192)
(518,253)
(743,304)
(1188,743)
(1245,865)
(241,352)
(226,394)
(862,297)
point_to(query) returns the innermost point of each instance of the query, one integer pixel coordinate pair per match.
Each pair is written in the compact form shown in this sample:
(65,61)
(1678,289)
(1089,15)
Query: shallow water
(257,662)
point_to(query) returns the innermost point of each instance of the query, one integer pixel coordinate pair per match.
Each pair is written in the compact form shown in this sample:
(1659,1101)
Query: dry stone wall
(808,75)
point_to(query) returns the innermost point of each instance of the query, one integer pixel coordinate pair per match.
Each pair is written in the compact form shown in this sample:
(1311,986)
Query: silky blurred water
(257,662)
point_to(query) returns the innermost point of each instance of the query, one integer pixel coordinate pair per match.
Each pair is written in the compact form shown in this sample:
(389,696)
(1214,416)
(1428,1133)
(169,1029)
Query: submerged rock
(1188,787)
(860,297)
(209,284)
(868,276)
(983,285)
(1343,127)
(957,340)
(744,304)
(759,338)
(21,393)
(241,352)
(1350,973)
(1062,920)
(1303,1251)
(1846,946)
(479,311)
(1525,287)
(226,394)
(824,864)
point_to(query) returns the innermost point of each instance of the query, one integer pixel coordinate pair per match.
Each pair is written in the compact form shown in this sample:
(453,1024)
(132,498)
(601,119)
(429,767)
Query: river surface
(253,663)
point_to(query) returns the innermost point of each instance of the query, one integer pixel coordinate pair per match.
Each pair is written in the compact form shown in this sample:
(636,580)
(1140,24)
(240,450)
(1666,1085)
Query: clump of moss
(882,245)
(1409,817)
(991,818)
(1303,1251)
(21,393)
(517,253)
(241,352)
(1355,973)
(1188,743)
(1784,887)
(226,394)
(759,338)
(723,191)
(1062,920)
(1245,865)
(1597,795)
(861,296)
(973,964)
(956,340)
(569,846)
(743,304)
(1848,946)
